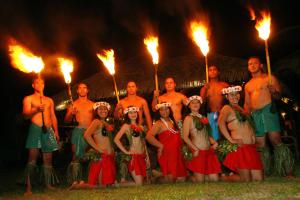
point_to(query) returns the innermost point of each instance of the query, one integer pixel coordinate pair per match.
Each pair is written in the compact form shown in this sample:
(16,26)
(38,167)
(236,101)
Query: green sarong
(79,141)
(37,139)
(265,121)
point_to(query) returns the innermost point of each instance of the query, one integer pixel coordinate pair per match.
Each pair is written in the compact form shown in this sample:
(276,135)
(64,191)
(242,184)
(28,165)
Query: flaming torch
(23,60)
(263,28)
(66,67)
(108,60)
(199,33)
(152,44)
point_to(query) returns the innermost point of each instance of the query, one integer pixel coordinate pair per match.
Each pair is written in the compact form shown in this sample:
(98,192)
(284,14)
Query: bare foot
(156,173)
(50,187)
(193,179)
(81,182)
(290,176)
(123,180)
(28,193)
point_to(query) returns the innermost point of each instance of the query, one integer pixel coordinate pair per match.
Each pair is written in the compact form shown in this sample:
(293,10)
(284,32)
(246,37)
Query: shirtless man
(176,99)
(43,134)
(82,109)
(133,100)
(236,127)
(211,93)
(258,100)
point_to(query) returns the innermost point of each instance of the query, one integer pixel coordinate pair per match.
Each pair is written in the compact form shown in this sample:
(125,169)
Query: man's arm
(155,100)
(203,92)
(147,114)
(247,100)
(275,87)
(70,112)
(184,99)
(54,119)
(118,111)
(28,110)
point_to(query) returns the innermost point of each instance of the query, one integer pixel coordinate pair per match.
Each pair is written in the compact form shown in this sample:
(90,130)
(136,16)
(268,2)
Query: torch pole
(206,69)
(70,93)
(44,128)
(156,77)
(268,61)
(116,89)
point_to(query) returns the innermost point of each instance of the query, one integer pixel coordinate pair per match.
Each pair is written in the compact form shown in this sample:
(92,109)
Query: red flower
(110,128)
(136,128)
(204,120)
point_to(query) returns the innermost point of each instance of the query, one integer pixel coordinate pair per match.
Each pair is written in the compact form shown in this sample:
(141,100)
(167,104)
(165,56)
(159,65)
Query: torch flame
(251,13)
(66,67)
(108,60)
(263,25)
(152,43)
(199,33)
(23,60)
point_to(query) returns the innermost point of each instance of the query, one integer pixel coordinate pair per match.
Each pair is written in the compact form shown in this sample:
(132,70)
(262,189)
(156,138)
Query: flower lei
(242,116)
(202,123)
(136,131)
(108,130)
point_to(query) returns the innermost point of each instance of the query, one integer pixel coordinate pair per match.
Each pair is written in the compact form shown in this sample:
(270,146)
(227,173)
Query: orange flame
(152,44)
(199,33)
(252,13)
(66,67)
(23,60)
(108,60)
(263,25)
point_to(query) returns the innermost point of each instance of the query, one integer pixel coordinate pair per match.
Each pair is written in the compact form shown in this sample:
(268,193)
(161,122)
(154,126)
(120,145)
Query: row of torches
(24,60)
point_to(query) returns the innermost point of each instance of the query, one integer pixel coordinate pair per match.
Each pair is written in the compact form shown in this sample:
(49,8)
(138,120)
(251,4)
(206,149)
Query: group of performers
(245,128)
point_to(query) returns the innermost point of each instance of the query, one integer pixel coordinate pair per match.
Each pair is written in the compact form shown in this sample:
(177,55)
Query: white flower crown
(194,97)
(162,105)
(231,89)
(131,109)
(101,103)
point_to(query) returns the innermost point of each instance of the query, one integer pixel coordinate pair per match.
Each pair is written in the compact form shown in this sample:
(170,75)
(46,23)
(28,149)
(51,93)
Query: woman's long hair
(171,116)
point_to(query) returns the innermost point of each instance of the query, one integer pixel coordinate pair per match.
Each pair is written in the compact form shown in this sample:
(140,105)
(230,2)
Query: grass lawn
(271,188)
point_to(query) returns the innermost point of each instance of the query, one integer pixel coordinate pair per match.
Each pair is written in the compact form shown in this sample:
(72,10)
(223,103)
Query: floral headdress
(101,103)
(231,89)
(162,105)
(195,97)
(131,109)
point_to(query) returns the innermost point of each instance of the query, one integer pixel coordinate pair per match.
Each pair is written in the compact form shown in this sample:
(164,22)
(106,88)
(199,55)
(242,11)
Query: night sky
(81,28)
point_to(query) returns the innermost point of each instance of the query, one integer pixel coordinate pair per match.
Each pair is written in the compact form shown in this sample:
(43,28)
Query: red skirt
(205,163)
(246,157)
(137,164)
(171,161)
(106,165)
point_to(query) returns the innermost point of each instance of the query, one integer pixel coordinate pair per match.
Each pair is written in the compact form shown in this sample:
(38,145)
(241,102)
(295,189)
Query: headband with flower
(162,105)
(101,103)
(131,109)
(194,97)
(231,89)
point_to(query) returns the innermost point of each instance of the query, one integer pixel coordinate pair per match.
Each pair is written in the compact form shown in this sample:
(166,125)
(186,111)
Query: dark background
(79,29)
